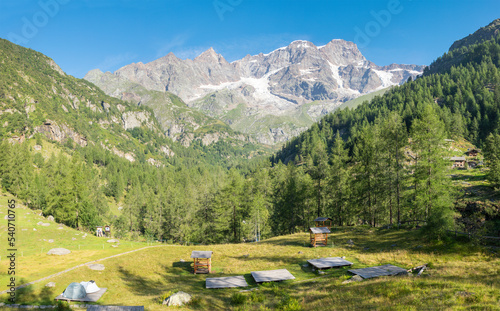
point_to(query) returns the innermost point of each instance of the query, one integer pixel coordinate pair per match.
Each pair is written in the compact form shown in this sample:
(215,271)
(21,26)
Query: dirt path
(81,265)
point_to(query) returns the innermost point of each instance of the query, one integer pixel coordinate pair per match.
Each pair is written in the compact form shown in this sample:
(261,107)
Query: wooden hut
(202,261)
(473,152)
(457,162)
(319,236)
(323,222)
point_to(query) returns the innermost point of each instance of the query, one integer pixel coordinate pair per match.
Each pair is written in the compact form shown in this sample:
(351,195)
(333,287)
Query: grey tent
(74,291)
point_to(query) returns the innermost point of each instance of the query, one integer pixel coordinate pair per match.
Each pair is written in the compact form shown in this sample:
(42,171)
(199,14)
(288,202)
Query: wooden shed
(323,222)
(202,261)
(457,162)
(319,236)
(473,152)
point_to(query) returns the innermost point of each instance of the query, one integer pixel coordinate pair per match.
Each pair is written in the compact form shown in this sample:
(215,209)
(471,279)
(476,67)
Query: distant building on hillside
(473,152)
(323,222)
(457,162)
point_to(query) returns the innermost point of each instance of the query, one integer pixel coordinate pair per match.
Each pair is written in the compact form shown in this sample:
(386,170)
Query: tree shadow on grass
(27,295)
(140,285)
(186,266)
(143,285)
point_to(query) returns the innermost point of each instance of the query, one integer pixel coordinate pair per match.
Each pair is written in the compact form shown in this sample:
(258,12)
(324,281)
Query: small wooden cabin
(202,261)
(458,162)
(472,152)
(319,236)
(323,222)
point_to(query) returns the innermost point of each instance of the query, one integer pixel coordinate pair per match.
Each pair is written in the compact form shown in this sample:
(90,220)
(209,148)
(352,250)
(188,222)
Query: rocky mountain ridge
(482,34)
(294,85)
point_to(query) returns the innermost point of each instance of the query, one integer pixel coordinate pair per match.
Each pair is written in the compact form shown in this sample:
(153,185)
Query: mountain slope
(36,97)
(177,120)
(276,84)
(483,34)
(473,48)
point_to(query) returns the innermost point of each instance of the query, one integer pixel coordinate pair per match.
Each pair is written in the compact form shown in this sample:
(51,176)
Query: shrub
(238,299)
(257,297)
(288,303)
(164,296)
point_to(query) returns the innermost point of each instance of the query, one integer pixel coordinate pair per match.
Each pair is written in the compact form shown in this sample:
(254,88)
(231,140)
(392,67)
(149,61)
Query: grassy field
(33,241)
(461,276)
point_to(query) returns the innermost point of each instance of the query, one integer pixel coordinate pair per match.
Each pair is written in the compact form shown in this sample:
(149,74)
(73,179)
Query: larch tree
(432,195)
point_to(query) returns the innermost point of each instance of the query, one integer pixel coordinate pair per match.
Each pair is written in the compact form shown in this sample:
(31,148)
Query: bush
(238,299)
(257,297)
(164,296)
(288,303)
(62,306)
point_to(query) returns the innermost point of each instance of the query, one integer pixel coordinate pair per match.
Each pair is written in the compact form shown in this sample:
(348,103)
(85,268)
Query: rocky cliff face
(298,84)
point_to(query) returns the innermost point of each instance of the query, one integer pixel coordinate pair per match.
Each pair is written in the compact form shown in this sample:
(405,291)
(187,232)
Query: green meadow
(460,276)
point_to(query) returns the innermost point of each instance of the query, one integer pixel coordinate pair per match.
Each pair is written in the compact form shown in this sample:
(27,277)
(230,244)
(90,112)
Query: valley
(189,150)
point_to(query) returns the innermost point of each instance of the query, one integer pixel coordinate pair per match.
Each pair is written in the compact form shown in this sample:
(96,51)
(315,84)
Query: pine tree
(492,157)
(366,155)
(394,138)
(338,182)
(432,195)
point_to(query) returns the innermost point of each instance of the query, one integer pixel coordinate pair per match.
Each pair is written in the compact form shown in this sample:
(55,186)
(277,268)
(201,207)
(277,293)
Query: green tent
(75,291)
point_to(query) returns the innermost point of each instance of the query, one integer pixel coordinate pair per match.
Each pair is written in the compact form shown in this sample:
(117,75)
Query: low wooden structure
(202,261)
(226,282)
(473,152)
(329,262)
(457,162)
(272,275)
(373,272)
(319,236)
(323,222)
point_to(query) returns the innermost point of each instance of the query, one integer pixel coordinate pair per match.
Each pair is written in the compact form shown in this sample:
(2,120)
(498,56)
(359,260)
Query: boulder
(45,224)
(58,251)
(113,241)
(50,218)
(177,299)
(50,241)
(355,278)
(96,266)
(50,284)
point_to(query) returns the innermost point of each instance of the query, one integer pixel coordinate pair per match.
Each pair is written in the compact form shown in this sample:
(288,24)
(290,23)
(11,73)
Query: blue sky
(81,35)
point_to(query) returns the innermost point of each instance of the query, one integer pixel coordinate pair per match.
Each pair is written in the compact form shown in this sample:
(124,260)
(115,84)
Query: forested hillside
(71,151)
(385,160)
